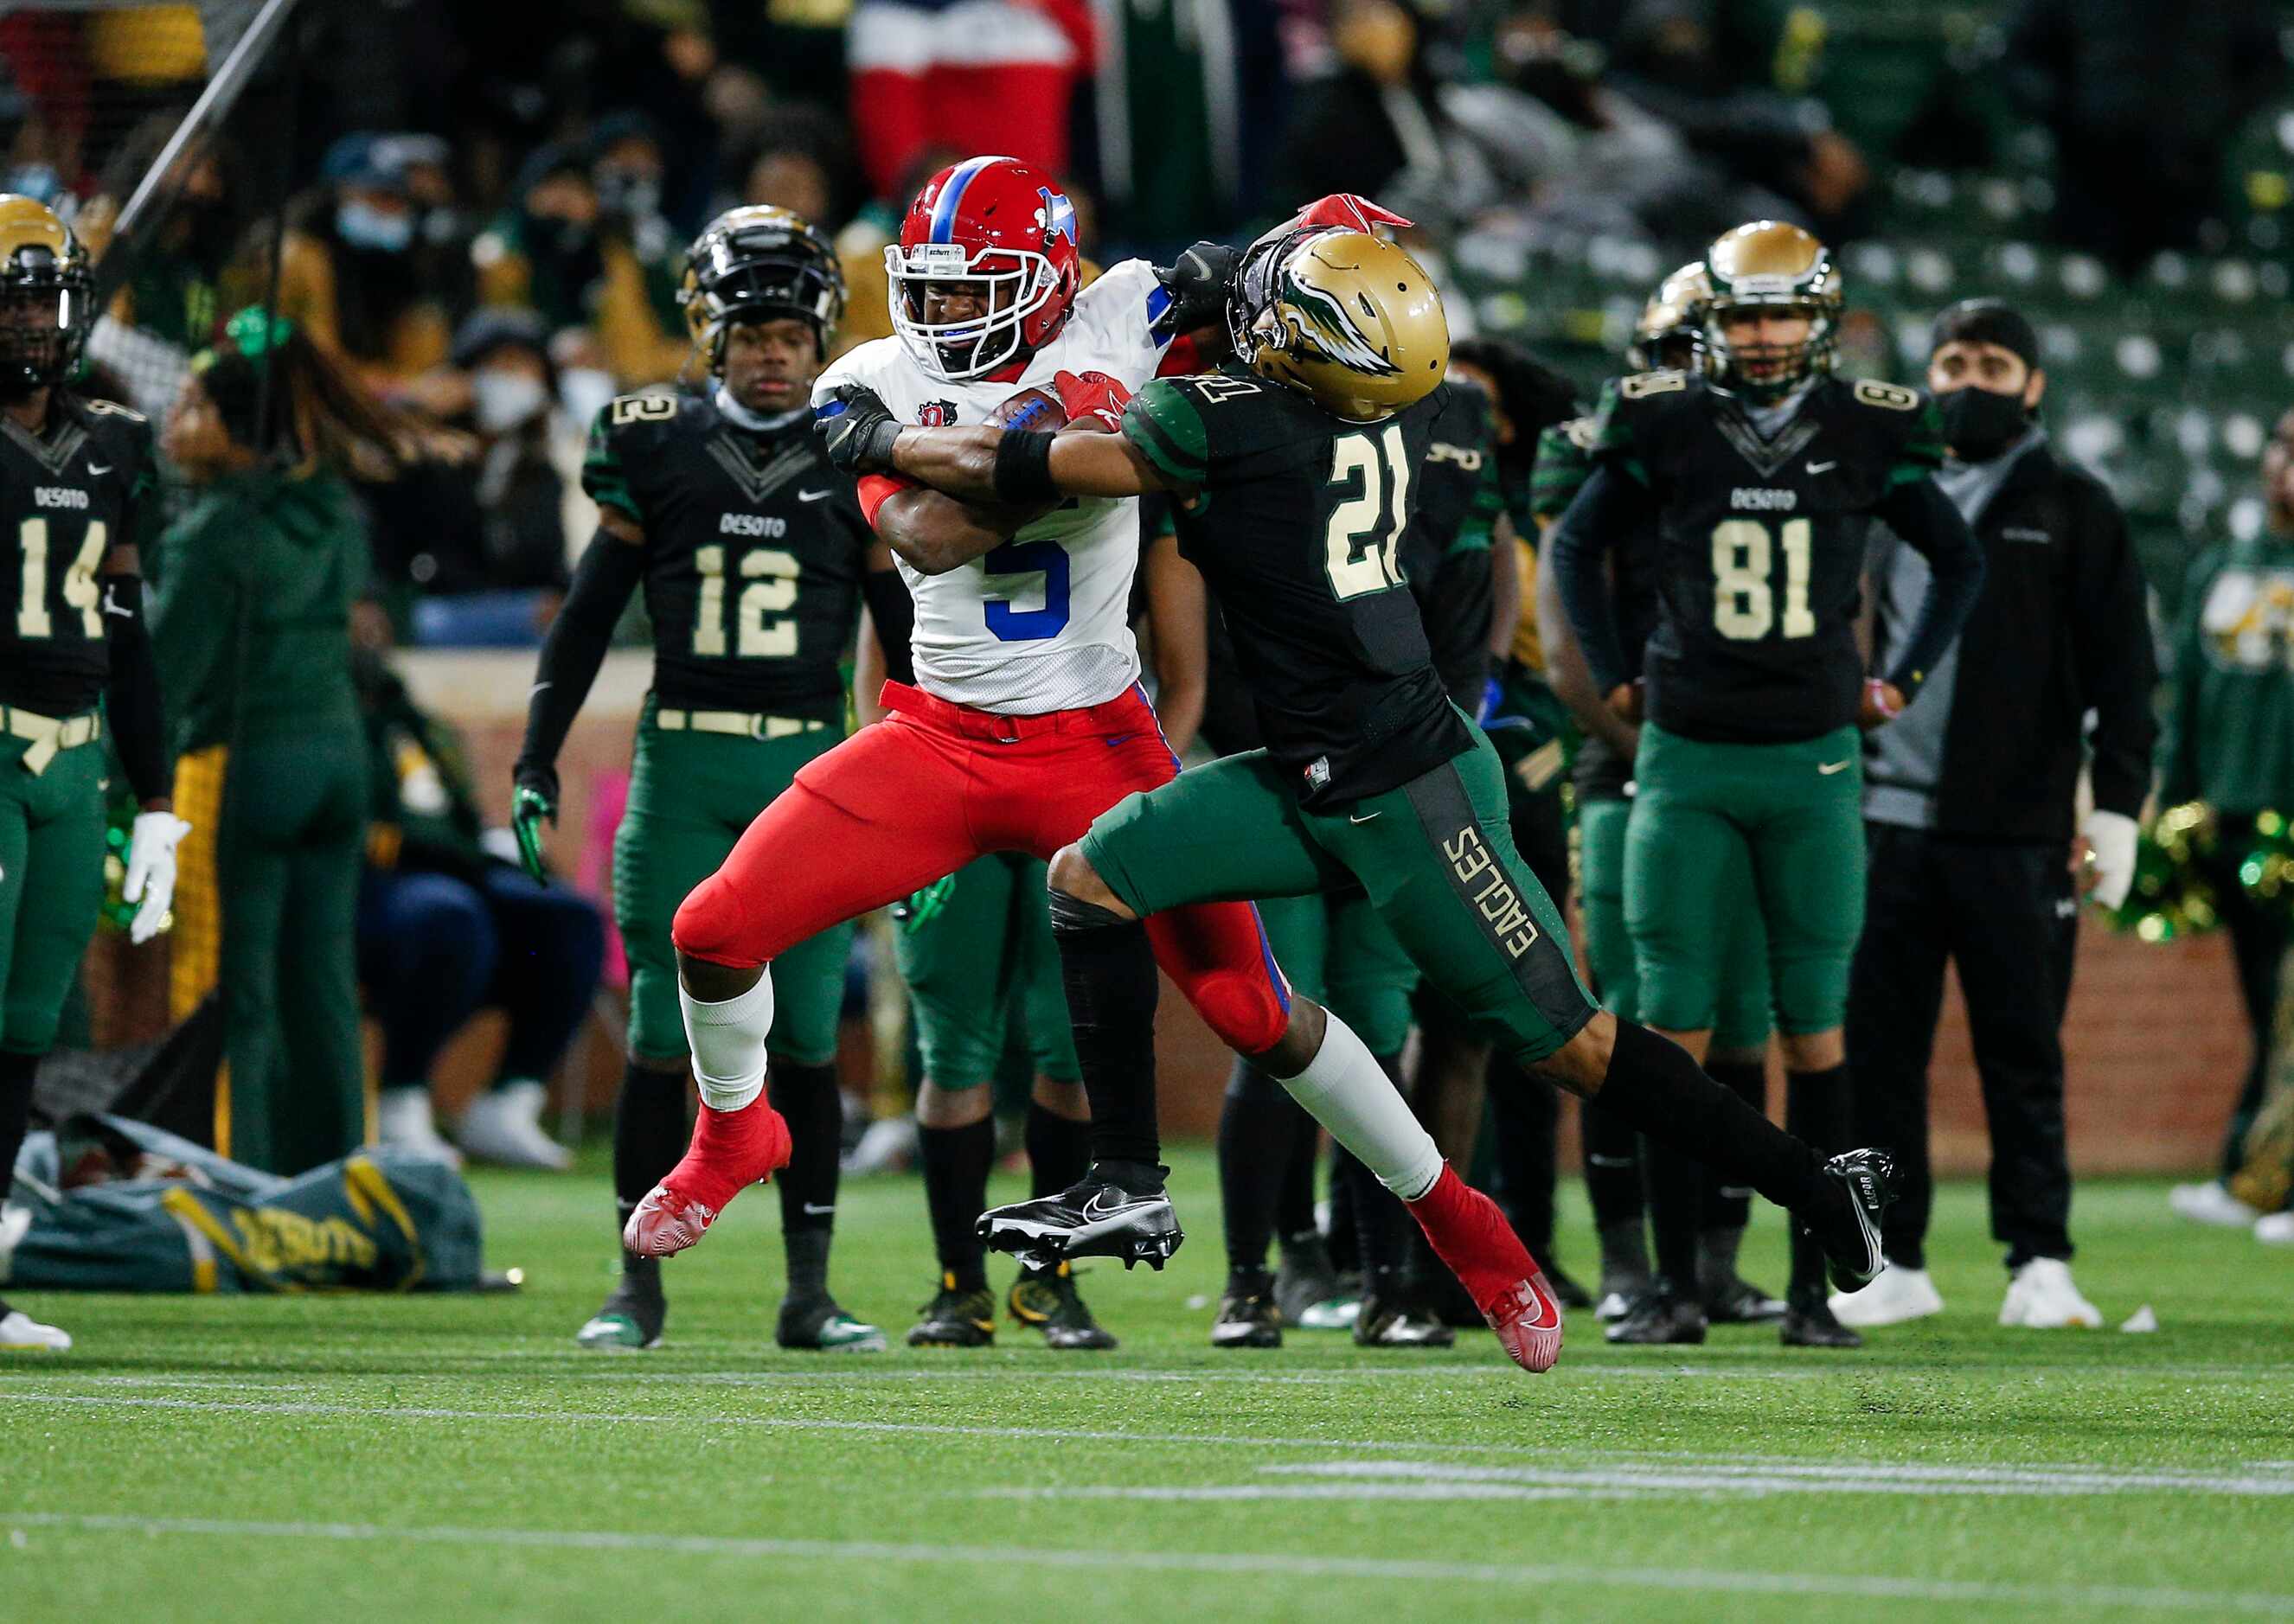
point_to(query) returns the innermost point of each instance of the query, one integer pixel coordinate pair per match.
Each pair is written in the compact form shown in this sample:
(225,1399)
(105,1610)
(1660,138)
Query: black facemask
(1979,424)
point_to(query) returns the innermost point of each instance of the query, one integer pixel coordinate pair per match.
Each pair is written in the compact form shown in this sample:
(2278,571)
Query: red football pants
(933,785)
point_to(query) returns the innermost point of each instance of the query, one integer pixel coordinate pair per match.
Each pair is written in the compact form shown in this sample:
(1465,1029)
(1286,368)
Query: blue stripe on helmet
(943,219)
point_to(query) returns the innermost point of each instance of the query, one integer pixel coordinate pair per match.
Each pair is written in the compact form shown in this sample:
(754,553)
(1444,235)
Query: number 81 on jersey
(1744,593)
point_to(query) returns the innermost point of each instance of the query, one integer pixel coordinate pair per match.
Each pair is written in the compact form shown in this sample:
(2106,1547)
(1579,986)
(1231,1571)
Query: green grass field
(441,1458)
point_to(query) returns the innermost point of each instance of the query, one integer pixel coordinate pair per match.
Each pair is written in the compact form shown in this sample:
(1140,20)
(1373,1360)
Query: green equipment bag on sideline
(181,1218)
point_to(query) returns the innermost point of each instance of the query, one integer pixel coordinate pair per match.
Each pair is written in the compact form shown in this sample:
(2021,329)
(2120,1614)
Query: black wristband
(1023,468)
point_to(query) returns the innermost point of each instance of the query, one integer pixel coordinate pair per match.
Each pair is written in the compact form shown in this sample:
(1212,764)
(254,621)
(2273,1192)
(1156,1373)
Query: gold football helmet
(47,296)
(759,262)
(1344,317)
(1671,323)
(1769,266)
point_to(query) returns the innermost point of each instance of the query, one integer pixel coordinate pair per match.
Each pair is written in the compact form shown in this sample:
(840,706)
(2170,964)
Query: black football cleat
(1305,1279)
(1737,1301)
(1094,1217)
(1808,1323)
(818,1325)
(1847,1226)
(1047,1299)
(955,1318)
(1660,1316)
(633,1314)
(1248,1316)
(1399,1320)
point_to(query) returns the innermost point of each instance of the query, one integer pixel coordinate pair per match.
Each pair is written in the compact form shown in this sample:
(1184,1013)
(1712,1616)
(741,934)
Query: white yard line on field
(1300,1565)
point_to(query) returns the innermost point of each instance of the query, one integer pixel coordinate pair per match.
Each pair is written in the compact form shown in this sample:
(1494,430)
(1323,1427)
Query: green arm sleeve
(1562,467)
(1921,451)
(1168,429)
(602,474)
(1613,442)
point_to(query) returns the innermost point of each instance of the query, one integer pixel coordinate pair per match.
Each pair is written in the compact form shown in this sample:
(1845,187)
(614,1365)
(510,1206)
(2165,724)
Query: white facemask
(502,401)
(584,392)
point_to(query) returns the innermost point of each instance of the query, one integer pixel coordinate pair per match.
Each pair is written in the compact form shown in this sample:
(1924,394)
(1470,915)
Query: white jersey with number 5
(1042,623)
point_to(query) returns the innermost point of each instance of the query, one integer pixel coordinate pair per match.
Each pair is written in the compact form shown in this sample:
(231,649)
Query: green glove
(530,804)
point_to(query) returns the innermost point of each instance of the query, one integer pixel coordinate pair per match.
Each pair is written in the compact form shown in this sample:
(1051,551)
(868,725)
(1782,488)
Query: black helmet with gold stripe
(47,296)
(760,263)
(1763,267)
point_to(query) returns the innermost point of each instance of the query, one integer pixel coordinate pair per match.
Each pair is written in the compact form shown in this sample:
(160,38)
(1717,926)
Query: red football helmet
(1000,223)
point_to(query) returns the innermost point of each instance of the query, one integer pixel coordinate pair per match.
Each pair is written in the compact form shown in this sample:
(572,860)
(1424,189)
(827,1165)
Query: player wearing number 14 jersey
(1757,476)
(1025,719)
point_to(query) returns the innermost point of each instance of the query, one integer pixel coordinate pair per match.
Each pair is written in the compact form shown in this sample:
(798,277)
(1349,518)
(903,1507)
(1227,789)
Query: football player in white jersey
(1025,719)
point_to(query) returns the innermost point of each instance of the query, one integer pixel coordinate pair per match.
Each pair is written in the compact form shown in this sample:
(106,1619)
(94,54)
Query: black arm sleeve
(132,698)
(609,571)
(1925,517)
(1609,503)
(894,612)
(2117,667)
(1456,610)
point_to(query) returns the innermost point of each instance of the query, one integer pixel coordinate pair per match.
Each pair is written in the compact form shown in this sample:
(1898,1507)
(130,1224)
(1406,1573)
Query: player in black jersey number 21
(1292,468)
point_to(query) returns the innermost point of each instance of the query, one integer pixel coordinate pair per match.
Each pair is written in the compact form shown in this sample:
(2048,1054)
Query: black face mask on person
(1979,424)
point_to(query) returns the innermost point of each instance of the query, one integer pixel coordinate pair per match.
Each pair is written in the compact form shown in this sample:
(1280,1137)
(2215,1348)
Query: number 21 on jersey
(1744,593)
(1383,467)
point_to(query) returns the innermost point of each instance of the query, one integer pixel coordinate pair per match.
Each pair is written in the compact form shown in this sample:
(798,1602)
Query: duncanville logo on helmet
(1001,231)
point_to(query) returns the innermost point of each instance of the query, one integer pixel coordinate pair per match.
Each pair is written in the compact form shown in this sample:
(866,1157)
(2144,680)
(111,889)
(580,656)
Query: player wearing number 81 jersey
(1757,478)
(1025,719)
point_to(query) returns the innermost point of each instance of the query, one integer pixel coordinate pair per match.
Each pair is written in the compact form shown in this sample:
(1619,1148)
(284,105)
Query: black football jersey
(1759,556)
(754,547)
(1565,462)
(1299,532)
(67,498)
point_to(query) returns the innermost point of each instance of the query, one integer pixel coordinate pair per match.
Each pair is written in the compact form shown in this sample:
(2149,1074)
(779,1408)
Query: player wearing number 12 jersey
(1293,467)
(753,558)
(1756,479)
(1025,720)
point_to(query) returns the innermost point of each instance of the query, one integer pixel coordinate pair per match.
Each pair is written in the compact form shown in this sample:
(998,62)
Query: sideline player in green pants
(1756,478)
(754,559)
(74,475)
(1698,1220)
(1293,465)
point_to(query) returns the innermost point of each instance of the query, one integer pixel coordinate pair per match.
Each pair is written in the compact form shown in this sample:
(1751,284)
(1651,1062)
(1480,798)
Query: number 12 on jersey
(1744,594)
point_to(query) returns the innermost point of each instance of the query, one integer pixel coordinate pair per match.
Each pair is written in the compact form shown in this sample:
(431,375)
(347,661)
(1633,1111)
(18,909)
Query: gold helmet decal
(47,294)
(1769,265)
(760,262)
(1350,320)
(1673,320)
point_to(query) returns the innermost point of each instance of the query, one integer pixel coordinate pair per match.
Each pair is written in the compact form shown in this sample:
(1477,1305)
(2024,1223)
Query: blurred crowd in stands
(491,202)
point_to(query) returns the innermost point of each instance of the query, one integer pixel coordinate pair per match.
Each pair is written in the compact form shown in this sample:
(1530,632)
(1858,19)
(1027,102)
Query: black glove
(1198,284)
(856,429)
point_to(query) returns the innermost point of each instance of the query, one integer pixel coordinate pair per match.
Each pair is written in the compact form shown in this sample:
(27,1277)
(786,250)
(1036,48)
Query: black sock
(1818,1110)
(1257,1135)
(1613,1188)
(1294,1207)
(16,1072)
(1345,1234)
(1383,1223)
(651,1129)
(1524,1117)
(956,1162)
(1675,1184)
(1109,970)
(1727,1205)
(1059,1149)
(807,1097)
(1653,1085)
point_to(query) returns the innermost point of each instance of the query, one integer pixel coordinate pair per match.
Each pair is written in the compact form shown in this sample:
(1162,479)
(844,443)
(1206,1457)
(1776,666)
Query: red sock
(731,1151)
(1472,1234)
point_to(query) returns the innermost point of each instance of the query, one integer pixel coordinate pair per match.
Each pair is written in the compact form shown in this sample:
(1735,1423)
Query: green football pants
(1791,816)
(978,962)
(1333,947)
(1743,1017)
(51,886)
(691,794)
(1435,858)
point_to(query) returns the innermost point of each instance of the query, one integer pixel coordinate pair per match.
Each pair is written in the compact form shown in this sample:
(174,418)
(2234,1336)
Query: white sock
(728,1040)
(1346,1089)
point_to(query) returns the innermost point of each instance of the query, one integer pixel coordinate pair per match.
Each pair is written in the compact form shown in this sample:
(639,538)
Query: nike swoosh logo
(1829,767)
(1821,467)
(99,469)
(1353,818)
(1093,1209)
(812,1211)
(814,496)
(111,606)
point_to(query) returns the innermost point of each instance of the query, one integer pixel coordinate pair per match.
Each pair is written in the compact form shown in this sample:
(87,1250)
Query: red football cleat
(730,1151)
(1472,1234)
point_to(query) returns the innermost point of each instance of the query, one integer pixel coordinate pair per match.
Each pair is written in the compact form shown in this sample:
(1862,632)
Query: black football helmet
(760,263)
(47,296)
